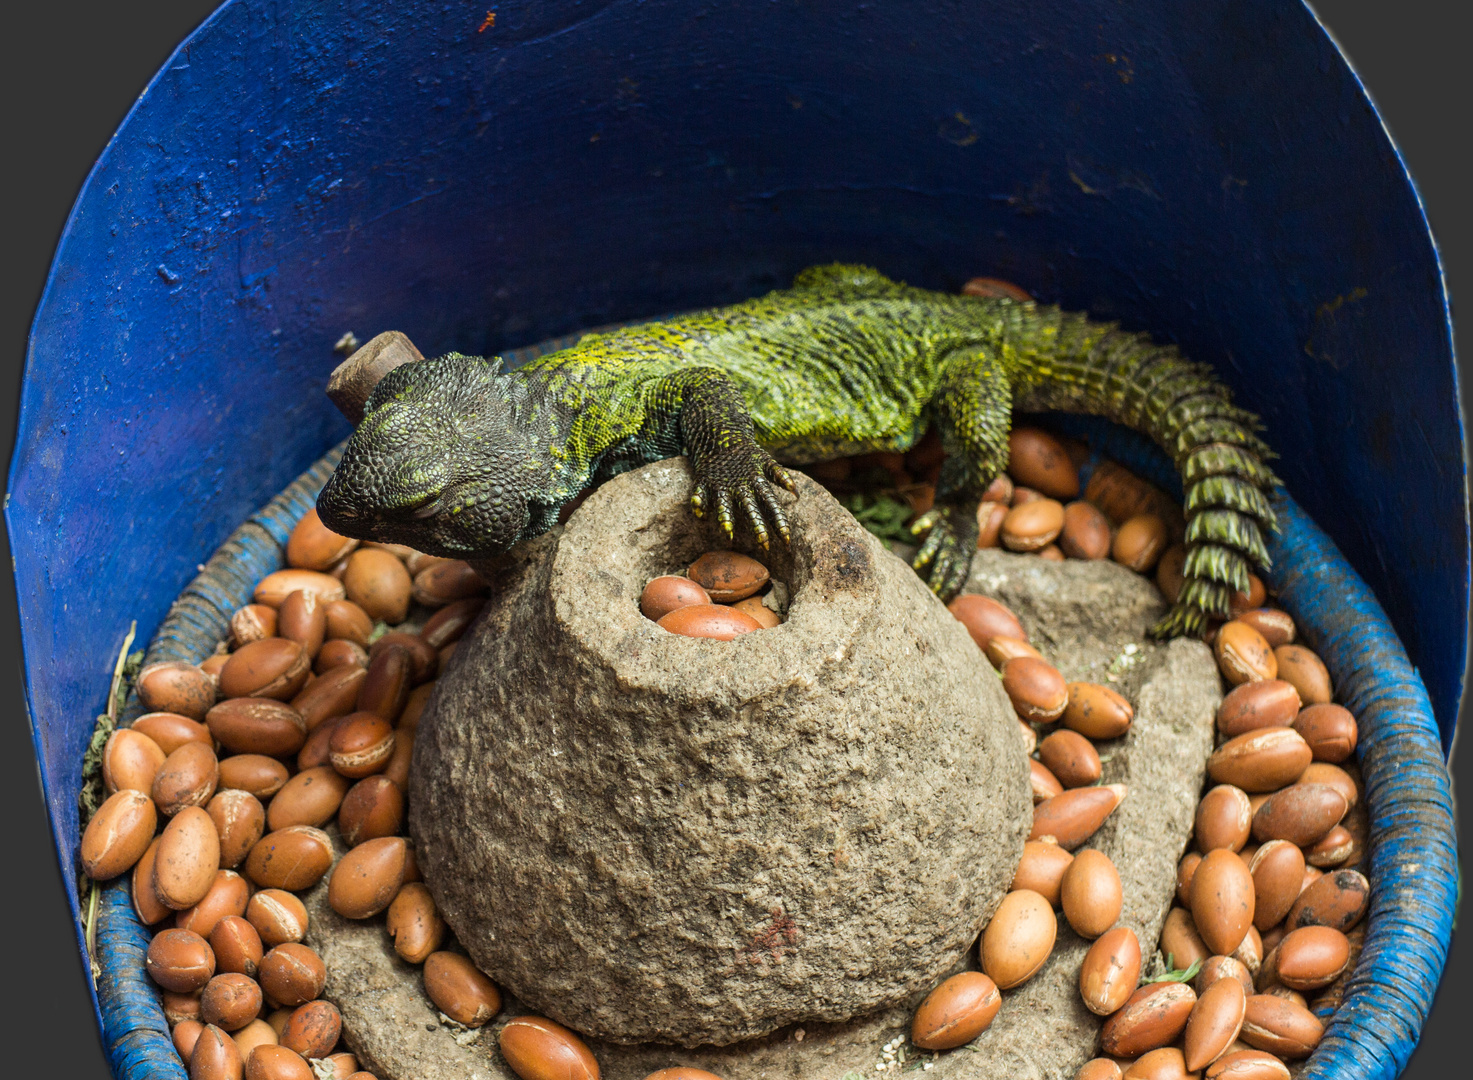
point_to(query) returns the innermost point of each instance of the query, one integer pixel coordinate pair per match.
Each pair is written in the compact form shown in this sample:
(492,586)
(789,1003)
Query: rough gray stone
(1082,616)
(653,837)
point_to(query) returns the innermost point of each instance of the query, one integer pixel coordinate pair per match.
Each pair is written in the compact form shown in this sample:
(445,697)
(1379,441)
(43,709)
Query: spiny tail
(1066,362)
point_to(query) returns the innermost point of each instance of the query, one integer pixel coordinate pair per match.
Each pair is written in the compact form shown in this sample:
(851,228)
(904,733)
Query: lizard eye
(431,508)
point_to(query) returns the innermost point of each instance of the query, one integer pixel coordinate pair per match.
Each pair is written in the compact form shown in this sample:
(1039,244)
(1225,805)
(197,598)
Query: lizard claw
(947,550)
(753,496)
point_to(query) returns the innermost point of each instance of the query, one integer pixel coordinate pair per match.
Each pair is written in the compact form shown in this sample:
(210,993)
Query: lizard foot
(746,483)
(951,537)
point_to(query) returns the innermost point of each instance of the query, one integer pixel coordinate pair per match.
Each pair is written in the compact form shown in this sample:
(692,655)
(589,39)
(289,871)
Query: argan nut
(1019,938)
(227,895)
(1311,957)
(1306,672)
(423,660)
(1139,542)
(1032,525)
(213,664)
(385,689)
(1039,460)
(1222,901)
(1240,602)
(990,516)
(1151,1018)
(995,288)
(1045,784)
(397,769)
(1070,757)
(1254,705)
(278,1063)
(956,1012)
(171,731)
(146,902)
(254,622)
(1075,816)
(1163,1063)
(185,1035)
(1278,872)
(344,1064)
(361,744)
(302,618)
(540,1049)
(708,621)
(333,693)
(459,990)
(312,797)
(379,584)
(1097,711)
(176,687)
(1330,730)
(1169,572)
(1101,1068)
(1248,1065)
(1277,627)
(230,1001)
(1243,655)
(1223,819)
(1111,971)
(130,759)
(1181,944)
(986,618)
(1215,968)
(257,774)
(346,621)
(451,622)
(664,594)
(270,668)
(179,960)
(278,916)
(236,945)
(313,546)
(414,708)
(118,834)
(764,615)
(366,879)
(1037,690)
(239,821)
(215,1056)
(1042,869)
(313,1028)
(414,923)
(1086,533)
(317,750)
(416,561)
(681,1072)
(1091,893)
(373,808)
(1185,871)
(1052,553)
(334,654)
(1027,737)
(1300,813)
(1260,761)
(292,974)
(447,582)
(1250,952)
(727,576)
(179,1007)
(1337,900)
(1281,1027)
(1214,1023)
(999,650)
(258,725)
(294,858)
(1322,772)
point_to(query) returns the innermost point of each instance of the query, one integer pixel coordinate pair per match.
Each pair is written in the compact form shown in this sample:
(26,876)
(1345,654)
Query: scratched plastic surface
(1212,172)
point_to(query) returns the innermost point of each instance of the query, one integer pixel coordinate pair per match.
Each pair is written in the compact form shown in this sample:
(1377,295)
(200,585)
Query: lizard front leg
(972,412)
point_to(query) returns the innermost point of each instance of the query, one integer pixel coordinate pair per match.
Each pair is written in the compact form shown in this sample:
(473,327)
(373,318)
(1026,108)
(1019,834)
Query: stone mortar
(653,837)
(1082,616)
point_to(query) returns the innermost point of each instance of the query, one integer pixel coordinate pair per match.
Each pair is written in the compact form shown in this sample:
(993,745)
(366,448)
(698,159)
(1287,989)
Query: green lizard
(456,457)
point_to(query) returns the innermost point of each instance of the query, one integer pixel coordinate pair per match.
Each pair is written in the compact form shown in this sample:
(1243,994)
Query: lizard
(459,458)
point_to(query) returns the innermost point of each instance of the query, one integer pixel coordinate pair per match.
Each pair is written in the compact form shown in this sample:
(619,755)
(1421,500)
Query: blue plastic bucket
(1210,172)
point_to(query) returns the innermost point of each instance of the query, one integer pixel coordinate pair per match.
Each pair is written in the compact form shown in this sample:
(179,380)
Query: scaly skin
(458,458)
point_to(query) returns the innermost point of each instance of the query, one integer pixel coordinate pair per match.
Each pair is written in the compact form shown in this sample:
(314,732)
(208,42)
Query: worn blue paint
(1212,172)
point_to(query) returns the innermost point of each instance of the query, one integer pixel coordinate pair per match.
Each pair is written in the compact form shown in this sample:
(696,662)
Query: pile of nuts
(721,596)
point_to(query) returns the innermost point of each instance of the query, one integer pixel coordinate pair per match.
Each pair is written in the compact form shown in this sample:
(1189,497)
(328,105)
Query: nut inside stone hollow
(656,838)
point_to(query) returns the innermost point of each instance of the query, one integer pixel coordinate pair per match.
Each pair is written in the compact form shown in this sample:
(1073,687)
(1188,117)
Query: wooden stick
(354,379)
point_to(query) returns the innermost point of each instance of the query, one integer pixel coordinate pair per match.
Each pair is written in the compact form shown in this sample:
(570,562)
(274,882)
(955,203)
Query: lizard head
(433,464)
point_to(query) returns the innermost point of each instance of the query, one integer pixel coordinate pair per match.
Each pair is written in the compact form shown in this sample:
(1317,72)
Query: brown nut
(1321,772)
(317,750)
(727,576)
(1250,953)
(385,689)
(278,916)
(1039,460)
(366,879)
(1330,731)
(1185,871)
(539,1049)
(1223,819)
(1281,1027)
(179,960)
(1214,1023)
(712,621)
(1311,957)
(1111,971)
(227,895)
(451,622)
(1075,816)
(185,1035)
(334,654)
(239,821)
(1152,1017)
(118,834)
(334,693)
(1306,672)
(681,1072)
(274,588)
(1139,542)
(1260,761)
(258,725)
(1248,1065)
(312,797)
(1277,627)
(1222,901)
(397,769)
(1169,572)
(423,660)
(446,583)
(1044,783)
(1019,938)
(1070,757)
(257,774)
(303,618)
(990,516)
(415,706)
(999,650)
(1091,894)
(1337,900)
(414,923)
(176,687)
(254,622)
(1042,869)
(1181,944)
(171,731)
(372,808)
(1253,705)
(236,945)
(146,902)
(1243,655)
(956,1012)
(362,743)
(293,858)
(1037,690)
(346,621)
(1097,711)
(130,759)
(1301,813)
(986,618)
(991,287)
(1101,1068)
(188,777)
(344,1065)
(277,1063)
(1215,968)
(459,990)
(313,1029)
(764,615)
(213,664)
(270,668)
(1163,1063)
(1028,738)
(1052,553)
(179,1007)
(292,974)
(1086,533)
(215,1056)
(313,546)
(1278,873)
(230,1001)
(379,584)
(1032,525)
